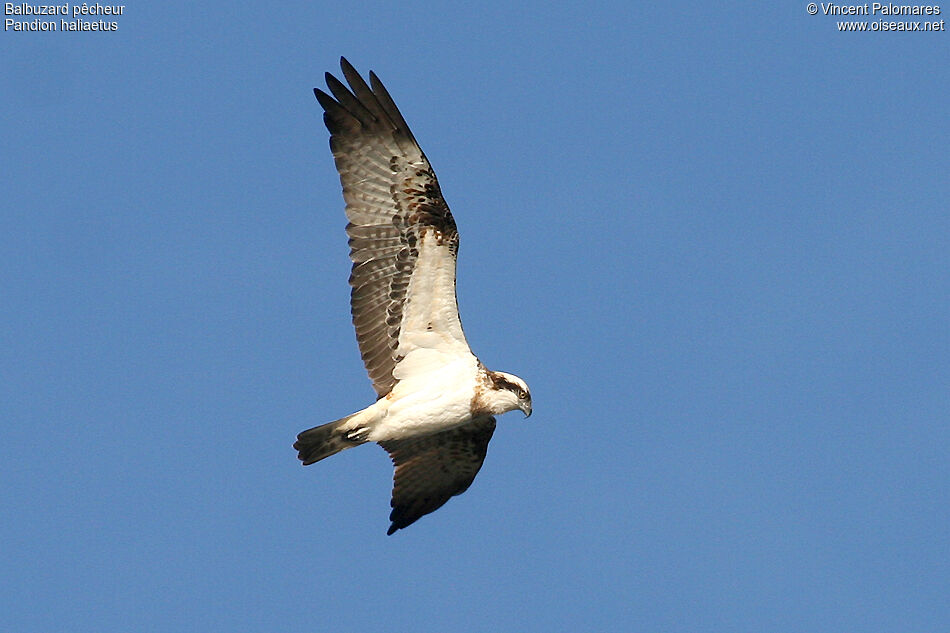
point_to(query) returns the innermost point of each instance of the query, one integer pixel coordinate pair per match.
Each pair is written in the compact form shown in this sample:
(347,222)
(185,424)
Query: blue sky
(714,242)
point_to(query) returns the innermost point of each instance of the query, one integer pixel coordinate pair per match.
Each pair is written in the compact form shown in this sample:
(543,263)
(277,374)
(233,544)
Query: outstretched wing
(432,469)
(403,239)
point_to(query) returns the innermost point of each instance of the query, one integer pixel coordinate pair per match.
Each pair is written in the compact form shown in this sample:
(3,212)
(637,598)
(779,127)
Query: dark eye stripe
(501,382)
(510,386)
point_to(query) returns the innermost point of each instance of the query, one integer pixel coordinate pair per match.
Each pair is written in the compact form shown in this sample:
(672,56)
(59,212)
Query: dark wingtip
(302,452)
(392,529)
(325,100)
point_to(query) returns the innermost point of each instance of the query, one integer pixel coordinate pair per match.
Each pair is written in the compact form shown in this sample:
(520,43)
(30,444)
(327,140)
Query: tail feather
(323,441)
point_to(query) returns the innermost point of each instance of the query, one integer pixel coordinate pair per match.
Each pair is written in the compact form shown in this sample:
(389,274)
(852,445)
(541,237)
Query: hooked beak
(526,409)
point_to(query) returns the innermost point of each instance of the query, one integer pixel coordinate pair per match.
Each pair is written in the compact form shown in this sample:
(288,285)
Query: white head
(509,393)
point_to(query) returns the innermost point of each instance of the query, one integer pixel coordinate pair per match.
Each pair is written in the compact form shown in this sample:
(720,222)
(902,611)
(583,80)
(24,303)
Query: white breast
(428,402)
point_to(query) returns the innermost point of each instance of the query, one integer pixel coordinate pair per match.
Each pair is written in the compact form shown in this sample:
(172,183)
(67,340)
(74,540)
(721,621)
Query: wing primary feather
(331,107)
(386,101)
(365,95)
(350,103)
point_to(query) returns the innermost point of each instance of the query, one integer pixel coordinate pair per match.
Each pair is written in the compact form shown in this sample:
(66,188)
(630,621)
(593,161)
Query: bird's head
(511,393)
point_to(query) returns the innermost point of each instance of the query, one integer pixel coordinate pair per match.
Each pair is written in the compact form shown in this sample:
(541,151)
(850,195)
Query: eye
(522,394)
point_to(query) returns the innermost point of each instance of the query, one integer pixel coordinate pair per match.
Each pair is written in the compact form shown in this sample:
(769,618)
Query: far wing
(403,239)
(432,469)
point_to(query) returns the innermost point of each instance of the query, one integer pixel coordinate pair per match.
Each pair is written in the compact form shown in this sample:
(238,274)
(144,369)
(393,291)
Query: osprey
(436,401)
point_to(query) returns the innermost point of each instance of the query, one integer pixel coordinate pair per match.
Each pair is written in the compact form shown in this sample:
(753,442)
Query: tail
(327,439)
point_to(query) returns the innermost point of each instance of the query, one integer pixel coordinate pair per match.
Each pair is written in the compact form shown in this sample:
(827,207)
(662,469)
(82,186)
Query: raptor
(436,402)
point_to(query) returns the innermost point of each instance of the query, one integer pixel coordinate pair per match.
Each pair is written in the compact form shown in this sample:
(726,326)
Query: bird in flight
(436,402)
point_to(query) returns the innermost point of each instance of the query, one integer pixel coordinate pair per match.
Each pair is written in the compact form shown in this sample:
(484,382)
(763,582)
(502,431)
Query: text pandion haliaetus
(437,402)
